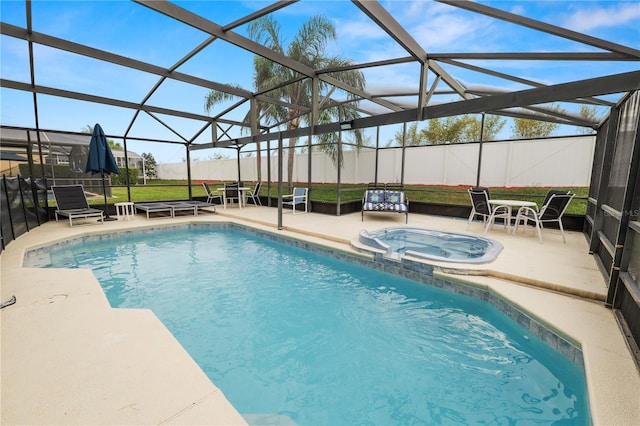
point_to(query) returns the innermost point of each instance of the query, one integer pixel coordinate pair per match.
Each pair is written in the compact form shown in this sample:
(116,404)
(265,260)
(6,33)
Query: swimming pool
(322,341)
(432,244)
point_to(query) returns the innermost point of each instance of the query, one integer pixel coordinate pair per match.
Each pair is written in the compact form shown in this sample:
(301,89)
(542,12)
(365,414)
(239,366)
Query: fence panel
(563,161)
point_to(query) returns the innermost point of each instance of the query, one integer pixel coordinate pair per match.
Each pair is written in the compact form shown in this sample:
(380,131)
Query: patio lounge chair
(552,210)
(171,207)
(72,203)
(299,196)
(481,207)
(254,194)
(149,208)
(182,206)
(201,206)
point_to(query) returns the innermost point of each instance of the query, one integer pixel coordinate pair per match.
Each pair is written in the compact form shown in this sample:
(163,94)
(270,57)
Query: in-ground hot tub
(432,244)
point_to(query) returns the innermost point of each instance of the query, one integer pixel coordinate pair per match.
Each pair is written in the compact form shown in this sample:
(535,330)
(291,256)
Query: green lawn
(178,190)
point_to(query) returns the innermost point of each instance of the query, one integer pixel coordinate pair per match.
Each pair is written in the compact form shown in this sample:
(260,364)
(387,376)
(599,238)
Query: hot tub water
(432,244)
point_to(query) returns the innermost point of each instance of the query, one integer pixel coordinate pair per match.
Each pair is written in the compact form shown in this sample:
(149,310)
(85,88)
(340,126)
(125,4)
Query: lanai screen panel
(598,158)
(627,128)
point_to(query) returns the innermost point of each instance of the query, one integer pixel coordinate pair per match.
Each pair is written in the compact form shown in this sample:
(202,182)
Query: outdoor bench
(385,200)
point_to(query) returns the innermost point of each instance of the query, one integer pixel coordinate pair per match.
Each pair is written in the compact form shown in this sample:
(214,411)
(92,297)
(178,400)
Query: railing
(23,206)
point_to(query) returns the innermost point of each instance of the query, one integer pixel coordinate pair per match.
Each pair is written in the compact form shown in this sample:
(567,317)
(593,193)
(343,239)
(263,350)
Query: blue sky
(134,31)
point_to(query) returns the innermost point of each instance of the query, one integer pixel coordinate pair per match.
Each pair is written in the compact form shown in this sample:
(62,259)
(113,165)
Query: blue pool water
(324,342)
(432,244)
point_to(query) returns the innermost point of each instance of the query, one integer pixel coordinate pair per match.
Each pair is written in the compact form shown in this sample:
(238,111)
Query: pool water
(285,331)
(432,244)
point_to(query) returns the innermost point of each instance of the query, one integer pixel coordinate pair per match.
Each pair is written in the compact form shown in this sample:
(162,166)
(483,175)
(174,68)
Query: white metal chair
(299,196)
(552,210)
(254,195)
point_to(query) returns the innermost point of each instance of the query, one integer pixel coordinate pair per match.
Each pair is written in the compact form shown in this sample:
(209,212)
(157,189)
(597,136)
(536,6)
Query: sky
(134,31)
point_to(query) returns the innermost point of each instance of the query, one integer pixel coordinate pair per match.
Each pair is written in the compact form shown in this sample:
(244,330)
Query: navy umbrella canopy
(100,160)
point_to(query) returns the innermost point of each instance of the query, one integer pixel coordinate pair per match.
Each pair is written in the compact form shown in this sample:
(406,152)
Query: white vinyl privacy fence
(564,161)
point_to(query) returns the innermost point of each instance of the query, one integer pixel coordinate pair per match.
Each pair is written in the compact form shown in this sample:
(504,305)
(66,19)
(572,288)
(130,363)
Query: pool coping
(608,366)
(487,271)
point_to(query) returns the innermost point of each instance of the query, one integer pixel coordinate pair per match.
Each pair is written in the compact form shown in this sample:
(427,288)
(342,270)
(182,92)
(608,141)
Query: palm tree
(289,87)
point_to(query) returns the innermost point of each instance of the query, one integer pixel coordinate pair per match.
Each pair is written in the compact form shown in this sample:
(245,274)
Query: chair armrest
(288,196)
(526,211)
(499,209)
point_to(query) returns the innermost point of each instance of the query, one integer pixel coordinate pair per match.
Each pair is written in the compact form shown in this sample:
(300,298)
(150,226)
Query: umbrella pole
(104,192)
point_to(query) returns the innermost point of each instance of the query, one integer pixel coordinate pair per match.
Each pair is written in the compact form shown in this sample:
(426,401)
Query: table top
(514,203)
(123,203)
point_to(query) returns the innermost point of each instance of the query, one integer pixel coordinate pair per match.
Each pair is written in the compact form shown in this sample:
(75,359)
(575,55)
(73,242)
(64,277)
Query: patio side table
(126,210)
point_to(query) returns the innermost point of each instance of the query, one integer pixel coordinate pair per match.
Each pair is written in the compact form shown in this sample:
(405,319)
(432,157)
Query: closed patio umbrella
(100,160)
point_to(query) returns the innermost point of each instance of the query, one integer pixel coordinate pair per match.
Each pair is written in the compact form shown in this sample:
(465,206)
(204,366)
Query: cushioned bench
(385,200)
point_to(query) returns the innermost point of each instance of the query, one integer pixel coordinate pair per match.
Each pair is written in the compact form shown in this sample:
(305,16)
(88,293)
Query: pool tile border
(413,270)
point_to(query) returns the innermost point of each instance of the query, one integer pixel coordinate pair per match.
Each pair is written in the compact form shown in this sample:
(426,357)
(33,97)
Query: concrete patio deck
(69,358)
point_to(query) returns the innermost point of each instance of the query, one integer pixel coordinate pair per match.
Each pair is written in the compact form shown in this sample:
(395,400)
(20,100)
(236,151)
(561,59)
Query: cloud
(448,32)
(418,9)
(518,9)
(439,27)
(363,41)
(358,30)
(603,17)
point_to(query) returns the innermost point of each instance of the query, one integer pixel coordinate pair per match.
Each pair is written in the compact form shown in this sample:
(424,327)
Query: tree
(524,128)
(288,87)
(217,156)
(150,165)
(411,137)
(590,114)
(115,146)
(464,128)
(493,125)
(112,144)
(447,130)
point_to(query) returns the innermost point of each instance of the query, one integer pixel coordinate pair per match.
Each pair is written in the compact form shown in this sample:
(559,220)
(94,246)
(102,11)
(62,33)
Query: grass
(455,195)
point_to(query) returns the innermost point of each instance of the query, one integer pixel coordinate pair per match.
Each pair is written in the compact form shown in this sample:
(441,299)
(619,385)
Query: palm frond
(214,97)
(286,86)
